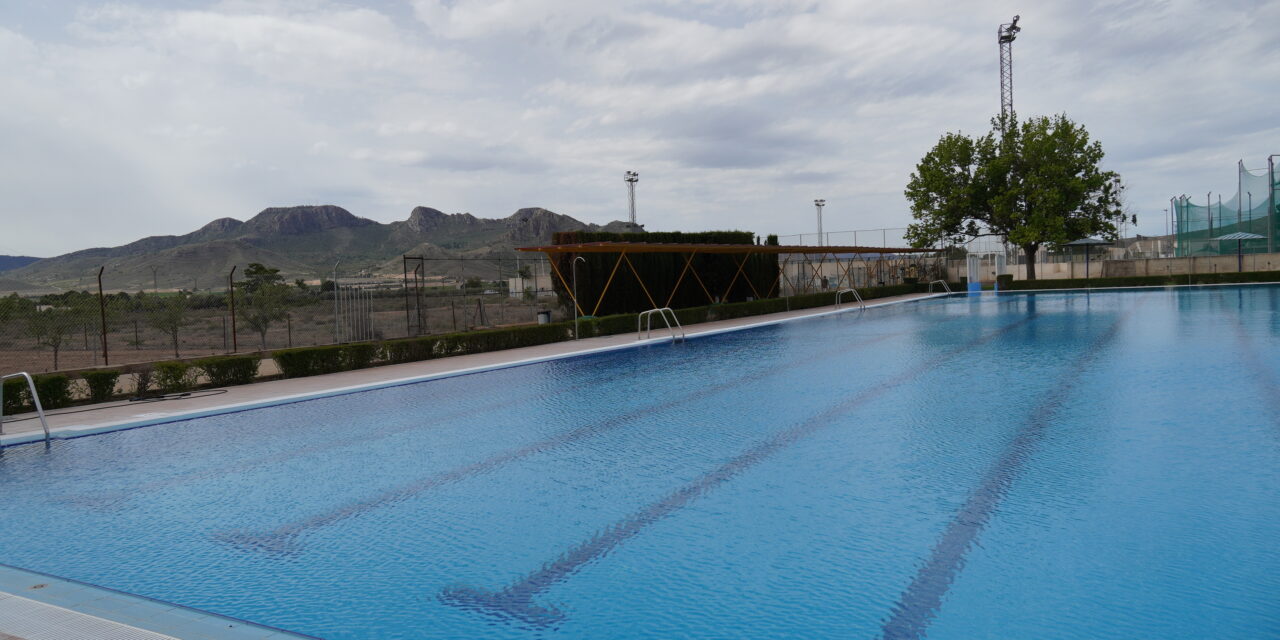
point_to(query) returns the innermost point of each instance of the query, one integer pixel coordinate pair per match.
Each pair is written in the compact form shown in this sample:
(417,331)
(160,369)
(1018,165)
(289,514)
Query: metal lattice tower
(631,178)
(1007,33)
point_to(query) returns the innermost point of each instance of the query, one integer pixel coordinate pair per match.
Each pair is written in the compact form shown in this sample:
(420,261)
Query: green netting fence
(1253,209)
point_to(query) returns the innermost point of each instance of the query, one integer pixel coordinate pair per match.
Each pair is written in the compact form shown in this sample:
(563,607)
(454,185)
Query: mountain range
(303,242)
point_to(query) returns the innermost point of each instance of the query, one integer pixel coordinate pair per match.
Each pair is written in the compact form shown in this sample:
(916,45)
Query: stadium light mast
(1005,35)
(820,203)
(631,178)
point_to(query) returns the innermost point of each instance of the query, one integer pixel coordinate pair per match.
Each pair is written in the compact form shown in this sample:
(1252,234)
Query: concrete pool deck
(77,421)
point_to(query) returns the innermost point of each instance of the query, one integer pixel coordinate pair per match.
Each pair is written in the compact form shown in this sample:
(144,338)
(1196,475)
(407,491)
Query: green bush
(54,390)
(174,376)
(15,396)
(144,379)
(1004,281)
(308,361)
(225,371)
(101,383)
(359,355)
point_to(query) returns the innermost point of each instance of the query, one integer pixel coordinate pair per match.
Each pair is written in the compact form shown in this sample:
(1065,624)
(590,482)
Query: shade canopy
(1085,242)
(1241,235)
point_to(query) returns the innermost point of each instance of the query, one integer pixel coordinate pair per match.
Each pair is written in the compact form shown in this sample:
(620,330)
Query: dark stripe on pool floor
(515,601)
(283,539)
(920,602)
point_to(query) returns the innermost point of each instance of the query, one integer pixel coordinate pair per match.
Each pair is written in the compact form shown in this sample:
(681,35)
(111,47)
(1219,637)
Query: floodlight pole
(1005,36)
(631,178)
(575,295)
(820,203)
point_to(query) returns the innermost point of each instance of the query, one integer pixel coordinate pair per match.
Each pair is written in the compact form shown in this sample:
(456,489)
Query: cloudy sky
(127,119)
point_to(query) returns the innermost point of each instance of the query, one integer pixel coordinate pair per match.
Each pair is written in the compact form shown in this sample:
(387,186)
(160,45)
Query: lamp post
(575,295)
(820,203)
(631,178)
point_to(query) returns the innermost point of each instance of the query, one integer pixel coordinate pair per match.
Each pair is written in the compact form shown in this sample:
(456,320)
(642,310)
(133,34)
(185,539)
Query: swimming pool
(1058,465)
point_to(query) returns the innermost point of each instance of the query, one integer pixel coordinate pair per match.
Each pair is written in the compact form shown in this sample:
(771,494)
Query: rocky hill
(303,242)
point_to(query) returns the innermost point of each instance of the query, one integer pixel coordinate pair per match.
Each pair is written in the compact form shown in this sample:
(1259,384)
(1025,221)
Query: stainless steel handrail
(662,312)
(946,287)
(840,294)
(941,282)
(35,398)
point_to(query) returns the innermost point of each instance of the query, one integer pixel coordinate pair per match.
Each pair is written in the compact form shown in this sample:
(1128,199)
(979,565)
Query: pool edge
(81,431)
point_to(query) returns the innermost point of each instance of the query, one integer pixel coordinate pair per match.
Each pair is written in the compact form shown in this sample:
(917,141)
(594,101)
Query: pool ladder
(35,399)
(668,316)
(941,282)
(862,306)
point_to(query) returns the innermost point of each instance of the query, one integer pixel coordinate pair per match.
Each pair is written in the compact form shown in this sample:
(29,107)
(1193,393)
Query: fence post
(102,315)
(231,293)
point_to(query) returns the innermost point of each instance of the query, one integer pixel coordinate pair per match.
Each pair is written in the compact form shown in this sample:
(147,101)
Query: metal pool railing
(35,399)
(858,298)
(944,284)
(668,316)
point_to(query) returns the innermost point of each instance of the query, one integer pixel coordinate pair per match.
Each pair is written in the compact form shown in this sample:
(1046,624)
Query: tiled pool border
(142,612)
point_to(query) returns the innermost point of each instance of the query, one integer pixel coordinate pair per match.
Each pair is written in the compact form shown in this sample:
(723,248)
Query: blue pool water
(1057,465)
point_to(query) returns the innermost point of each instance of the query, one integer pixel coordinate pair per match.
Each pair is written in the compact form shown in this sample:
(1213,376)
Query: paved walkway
(114,413)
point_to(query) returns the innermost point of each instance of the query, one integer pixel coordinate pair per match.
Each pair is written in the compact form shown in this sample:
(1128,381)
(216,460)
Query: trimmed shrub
(144,380)
(308,361)
(226,371)
(174,375)
(15,396)
(1004,281)
(54,390)
(101,383)
(359,355)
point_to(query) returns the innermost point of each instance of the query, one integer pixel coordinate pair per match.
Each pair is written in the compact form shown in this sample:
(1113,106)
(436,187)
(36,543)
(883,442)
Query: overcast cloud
(121,120)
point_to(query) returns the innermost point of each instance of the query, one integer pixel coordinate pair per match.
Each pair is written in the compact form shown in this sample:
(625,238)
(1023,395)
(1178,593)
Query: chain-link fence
(42,331)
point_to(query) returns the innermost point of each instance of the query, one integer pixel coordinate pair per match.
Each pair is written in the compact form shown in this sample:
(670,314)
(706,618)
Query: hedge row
(1145,281)
(100,385)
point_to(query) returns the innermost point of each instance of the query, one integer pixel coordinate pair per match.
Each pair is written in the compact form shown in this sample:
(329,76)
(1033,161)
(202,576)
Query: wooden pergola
(689,251)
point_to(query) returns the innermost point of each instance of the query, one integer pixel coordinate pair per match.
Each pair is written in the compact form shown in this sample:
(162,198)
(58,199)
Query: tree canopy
(1035,183)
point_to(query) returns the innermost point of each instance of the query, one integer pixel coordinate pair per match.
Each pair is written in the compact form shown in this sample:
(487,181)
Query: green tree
(1035,183)
(265,306)
(51,328)
(258,275)
(168,314)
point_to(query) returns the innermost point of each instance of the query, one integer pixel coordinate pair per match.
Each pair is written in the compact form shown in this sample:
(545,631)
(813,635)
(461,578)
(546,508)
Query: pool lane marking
(283,539)
(115,498)
(515,601)
(920,602)
(1262,374)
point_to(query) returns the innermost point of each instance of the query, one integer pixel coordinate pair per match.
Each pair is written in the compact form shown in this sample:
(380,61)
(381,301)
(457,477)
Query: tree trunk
(1031,250)
(175,344)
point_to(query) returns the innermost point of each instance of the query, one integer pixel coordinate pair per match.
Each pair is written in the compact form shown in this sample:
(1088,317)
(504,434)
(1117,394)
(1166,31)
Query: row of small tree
(262,299)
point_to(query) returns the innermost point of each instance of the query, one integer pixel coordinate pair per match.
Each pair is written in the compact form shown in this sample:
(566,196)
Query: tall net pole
(1005,35)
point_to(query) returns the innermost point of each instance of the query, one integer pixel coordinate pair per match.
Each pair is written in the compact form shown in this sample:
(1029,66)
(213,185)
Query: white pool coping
(39,606)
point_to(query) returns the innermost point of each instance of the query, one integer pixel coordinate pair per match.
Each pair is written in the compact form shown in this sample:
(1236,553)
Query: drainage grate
(23,619)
